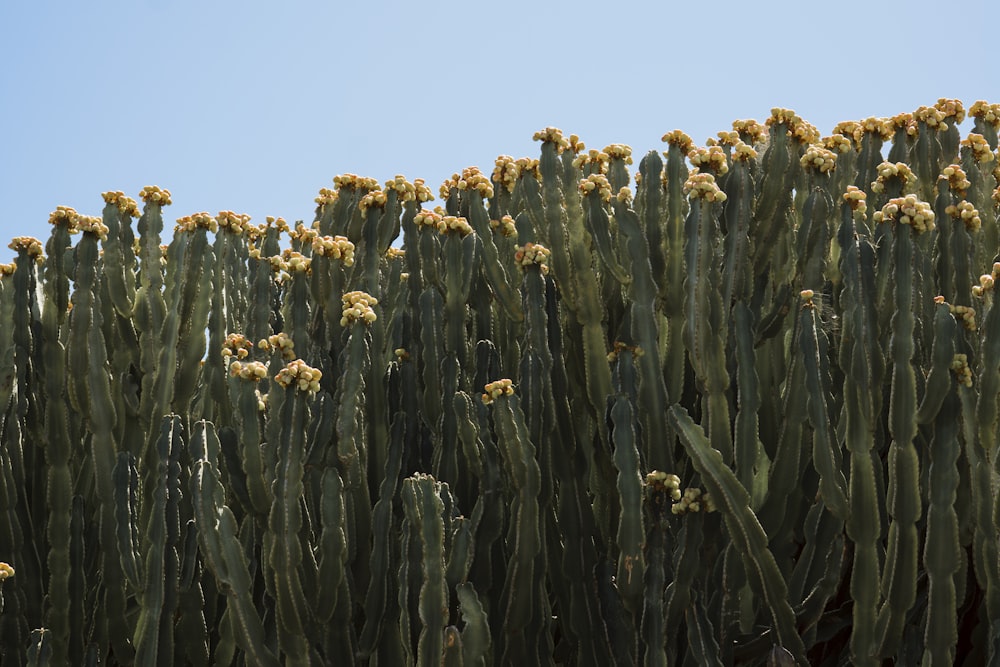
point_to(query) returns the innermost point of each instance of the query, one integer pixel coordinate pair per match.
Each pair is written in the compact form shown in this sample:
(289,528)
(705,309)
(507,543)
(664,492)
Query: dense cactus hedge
(739,409)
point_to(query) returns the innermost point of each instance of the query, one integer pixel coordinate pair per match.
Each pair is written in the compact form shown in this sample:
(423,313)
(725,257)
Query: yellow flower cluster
(966,315)
(956,178)
(271,221)
(392,252)
(598,161)
(533,253)
(596,183)
(724,139)
(326,196)
(807,297)
(711,159)
(881,126)
(93,225)
(495,390)
(818,159)
(903,121)
(750,131)
(665,482)
(304,235)
(406,191)
(967,212)
(358,307)
(505,225)
(987,281)
(849,129)
(838,143)
(126,205)
(64,215)
(744,152)
(374,198)
(693,500)
(932,117)
(855,198)
(300,375)
(8,269)
(354,182)
(986,112)
(295,262)
(907,210)
(624,195)
(680,139)
(454,223)
(960,367)
(620,347)
(552,135)
(252,370)
(427,218)
(237,223)
(951,109)
(888,170)
(505,171)
(575,144)
(29,245)
(236,345)
(978,145)
(802,131)
(470,179)
(401,354)
(189,223)
(702,186)
(6,571)
(280,342)
(619,151)
(152,194)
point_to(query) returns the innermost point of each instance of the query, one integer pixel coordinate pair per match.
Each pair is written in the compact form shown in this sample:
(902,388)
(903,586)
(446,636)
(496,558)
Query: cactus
(604,426)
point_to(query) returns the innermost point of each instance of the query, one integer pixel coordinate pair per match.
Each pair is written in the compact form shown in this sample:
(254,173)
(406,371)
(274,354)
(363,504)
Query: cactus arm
(220,547)
(940,379)
(747,534)
(899,575)
(491,264)
(631,533)
(826,453)
(476,633)
(423,508)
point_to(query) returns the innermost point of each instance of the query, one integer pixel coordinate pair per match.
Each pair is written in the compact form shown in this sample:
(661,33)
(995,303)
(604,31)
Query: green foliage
(562,423)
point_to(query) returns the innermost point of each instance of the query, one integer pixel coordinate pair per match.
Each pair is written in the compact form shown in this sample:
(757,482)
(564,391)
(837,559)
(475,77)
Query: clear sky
(254,106)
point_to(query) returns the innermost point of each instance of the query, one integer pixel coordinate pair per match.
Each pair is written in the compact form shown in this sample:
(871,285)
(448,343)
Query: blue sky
(254,106)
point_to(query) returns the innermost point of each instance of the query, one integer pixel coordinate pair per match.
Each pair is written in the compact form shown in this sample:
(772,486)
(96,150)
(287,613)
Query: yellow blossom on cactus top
(373,199)
(495,390)
(505,225)
(93,225)
(849,129)
(986,112)
(190,223)
(358,308)
(279,342)
(980,148)
(472,180)
(326,196)
(659,481)
(295,262)
(506,171)
(951,108)
(596,183)
(126,205)
(354,182)
(252,370)
(679,139)
(454,223)
(304,235)
(533,253)
(552,135)
(966,315)
(956,179)
(593,161)
(425,218)
(730,138)
(405,191)
(744,152)
(237,223)
(236,345)
(960,367)
(693,500)
(711,159)
(930,116)
(619,152)
(888,170)
(817,158)
(872,125)
(855,198)
(702,186)
(392,252)
(8,269)
(152,194)
(903,121)
(625,195)
(750,131)
(278,223)
(838,143)
(64,215)
(967,213)
(907,210)
(28,245)
(800,130)
(575,144)
(300,375)
(6,571)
